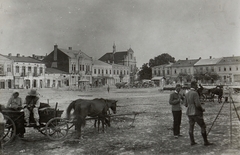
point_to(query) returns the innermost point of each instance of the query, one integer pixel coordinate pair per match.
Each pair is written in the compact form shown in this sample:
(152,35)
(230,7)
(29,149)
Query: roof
(203,62)
(23,59)
(230,60)
(73,53)
(100,63)
(118,56)
(54,71)
(185,63)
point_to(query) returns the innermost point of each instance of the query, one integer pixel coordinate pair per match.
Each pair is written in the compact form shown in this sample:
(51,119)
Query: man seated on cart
(31,104)
(15,104)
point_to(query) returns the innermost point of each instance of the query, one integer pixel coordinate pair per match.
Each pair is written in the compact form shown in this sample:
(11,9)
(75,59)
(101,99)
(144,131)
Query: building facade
(6,75)
(228,69)
(125,58)
(27,72)
(75,62)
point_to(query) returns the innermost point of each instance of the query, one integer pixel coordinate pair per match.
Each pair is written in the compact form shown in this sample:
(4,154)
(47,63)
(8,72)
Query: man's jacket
(192,103)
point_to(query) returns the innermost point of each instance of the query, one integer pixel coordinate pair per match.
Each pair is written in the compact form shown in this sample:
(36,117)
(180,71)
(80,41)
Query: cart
(51,123)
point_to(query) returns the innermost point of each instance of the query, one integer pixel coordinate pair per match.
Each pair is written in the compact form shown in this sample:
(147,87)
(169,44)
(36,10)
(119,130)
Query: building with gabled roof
(184,66)
(206,65)
(228,68)
(75,62)
(125,58)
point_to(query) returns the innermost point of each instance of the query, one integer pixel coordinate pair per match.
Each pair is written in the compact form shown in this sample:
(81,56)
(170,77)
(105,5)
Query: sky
(182,28)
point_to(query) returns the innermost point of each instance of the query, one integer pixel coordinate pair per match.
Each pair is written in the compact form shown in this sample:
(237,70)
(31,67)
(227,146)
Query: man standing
(195,114)
(175,100)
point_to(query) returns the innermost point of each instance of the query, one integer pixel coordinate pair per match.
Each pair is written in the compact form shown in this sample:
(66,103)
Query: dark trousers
(200,122)
(177,117)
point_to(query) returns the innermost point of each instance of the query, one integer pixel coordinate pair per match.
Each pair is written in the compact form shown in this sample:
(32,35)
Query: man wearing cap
(31,104)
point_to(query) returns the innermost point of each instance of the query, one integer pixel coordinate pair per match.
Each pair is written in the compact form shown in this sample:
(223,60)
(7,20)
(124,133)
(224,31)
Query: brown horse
(97,108)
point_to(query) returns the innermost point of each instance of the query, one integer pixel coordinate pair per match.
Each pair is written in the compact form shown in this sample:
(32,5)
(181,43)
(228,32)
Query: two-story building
(75,62)
(102,73)
(27,72)
(6,75)
(228,68)
(125,58)
(121,73)
(55,78)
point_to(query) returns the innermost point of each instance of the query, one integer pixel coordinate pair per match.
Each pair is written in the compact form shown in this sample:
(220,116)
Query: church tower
(114,51)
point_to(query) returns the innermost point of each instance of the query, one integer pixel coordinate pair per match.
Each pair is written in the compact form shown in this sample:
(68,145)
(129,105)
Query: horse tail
(69,109)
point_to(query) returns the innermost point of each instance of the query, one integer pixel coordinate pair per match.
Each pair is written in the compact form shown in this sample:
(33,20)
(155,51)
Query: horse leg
(103,122)
(98,124)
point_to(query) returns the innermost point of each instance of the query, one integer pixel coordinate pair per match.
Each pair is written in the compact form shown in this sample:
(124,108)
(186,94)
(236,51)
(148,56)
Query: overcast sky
(181,28)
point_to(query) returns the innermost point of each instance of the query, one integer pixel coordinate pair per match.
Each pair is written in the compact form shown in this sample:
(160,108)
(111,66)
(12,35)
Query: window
(35,71)
(1,69)
(29,69)
(219,69)
(9,68)
(114,72)
(212,69)
(230,69)
(117,72)
(99,71)
(168,72)
(110,71)
(206,68)
(175,71)
(95,71)
(102,71)
(236,68)
(23,70)
(17,69)
(155,72)
(41,70)
(124,72)
(80,67)
(224,69)
(106,71)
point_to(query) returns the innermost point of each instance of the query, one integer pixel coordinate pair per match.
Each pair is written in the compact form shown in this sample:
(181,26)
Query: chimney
(33,55)
(18,55)
(70,48)
(10,54)
(55,53)
(186,58)
(114,50)
(200,58)
(210,57)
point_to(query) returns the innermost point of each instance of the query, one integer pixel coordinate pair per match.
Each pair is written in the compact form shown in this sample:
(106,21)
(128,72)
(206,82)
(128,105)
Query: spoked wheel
(9,130)
(57,128)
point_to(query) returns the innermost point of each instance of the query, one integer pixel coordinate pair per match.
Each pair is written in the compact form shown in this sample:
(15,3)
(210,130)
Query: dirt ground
(149,134)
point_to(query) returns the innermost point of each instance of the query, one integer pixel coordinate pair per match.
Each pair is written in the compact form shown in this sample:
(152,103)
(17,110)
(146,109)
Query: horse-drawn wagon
(51,123)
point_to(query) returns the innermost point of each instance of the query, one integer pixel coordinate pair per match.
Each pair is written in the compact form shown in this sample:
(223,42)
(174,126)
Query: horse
(219,92)
(93,108)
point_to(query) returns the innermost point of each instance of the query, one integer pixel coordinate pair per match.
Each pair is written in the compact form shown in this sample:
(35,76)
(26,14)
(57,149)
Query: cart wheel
(57,128)
(9,130)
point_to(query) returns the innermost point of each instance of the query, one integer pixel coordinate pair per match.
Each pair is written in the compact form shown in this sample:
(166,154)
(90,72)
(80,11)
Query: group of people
(194,112)
(30,104)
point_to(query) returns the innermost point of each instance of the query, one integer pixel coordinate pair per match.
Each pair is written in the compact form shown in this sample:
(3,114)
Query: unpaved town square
(150,133)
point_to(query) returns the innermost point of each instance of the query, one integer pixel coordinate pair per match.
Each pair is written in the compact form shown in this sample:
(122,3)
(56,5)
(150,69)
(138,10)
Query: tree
(184,77)
(162,59)
(145,72)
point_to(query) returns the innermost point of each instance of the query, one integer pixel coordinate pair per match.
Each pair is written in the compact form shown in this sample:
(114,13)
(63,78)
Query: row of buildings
(226,67)
(66,67)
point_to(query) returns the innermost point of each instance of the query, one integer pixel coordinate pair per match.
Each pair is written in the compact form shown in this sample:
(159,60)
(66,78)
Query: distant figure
(108,88)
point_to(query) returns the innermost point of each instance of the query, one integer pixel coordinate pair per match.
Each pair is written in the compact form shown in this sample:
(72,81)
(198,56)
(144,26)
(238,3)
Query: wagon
(51,123)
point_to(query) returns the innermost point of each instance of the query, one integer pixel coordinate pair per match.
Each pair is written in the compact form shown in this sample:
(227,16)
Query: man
(195,113)
(175,100)
(15,103)
(31,104)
